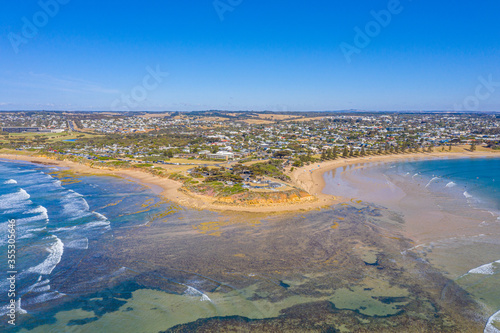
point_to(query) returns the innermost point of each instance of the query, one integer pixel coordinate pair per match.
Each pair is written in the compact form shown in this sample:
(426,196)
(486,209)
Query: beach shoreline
(171,189)
(310,178)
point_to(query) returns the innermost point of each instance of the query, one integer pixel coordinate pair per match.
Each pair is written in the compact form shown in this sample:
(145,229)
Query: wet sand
(311,178)
(449,233)
(425,214)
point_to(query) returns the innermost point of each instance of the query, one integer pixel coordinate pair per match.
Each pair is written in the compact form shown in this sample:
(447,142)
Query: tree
(363,151)
(335,153)
(345,153)
(282,153)
(329,154)
(473,146)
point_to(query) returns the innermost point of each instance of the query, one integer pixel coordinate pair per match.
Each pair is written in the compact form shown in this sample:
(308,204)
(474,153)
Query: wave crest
(55,254)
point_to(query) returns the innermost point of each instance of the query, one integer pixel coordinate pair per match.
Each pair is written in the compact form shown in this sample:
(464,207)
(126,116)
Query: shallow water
(156,266)
(450,206)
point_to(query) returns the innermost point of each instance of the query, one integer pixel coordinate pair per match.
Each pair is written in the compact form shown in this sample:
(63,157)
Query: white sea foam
(450,184)
(5,309)
(37,229)
(122,270)
(100,216)
(415,175)
(14,200)
(55,254)
(75,206)
(28,235)
(41,289)
(487,269)
(39,209)
(64,229)
(39,286)
(97,224)
(78,244)
(467,195)
(489,325)
(45,297)
(10,181)
(76,194)
(18,307)
(41,216)
(430,181)
(190,291)
(25,220)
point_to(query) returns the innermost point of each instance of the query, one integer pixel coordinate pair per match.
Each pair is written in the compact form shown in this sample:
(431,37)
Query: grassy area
(215,189)
(195,161)
(45,137)
(15,152)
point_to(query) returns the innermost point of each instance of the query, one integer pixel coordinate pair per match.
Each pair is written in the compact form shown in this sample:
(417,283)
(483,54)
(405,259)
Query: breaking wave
(190,291)
(467,195)
(489,325)
(55,254)
(79,244)
(487,269)
(14,200)
(430,181)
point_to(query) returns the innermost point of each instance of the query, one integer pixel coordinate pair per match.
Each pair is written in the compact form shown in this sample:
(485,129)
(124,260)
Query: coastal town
(240,157)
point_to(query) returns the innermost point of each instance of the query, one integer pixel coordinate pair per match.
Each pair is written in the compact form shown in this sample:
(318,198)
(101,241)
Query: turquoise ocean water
(445,188)
(59,221)
(97,253)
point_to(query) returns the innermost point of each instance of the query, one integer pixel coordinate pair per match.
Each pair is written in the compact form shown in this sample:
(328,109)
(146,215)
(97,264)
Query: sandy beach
(170,189)
(310,178)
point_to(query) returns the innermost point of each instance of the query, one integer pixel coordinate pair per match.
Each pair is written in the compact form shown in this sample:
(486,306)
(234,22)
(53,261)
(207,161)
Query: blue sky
(262,55)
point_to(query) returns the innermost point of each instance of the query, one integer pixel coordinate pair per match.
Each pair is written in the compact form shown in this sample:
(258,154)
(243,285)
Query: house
(221,155)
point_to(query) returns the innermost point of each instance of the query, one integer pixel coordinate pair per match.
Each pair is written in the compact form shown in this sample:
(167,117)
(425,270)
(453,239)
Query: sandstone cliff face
(266,198)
